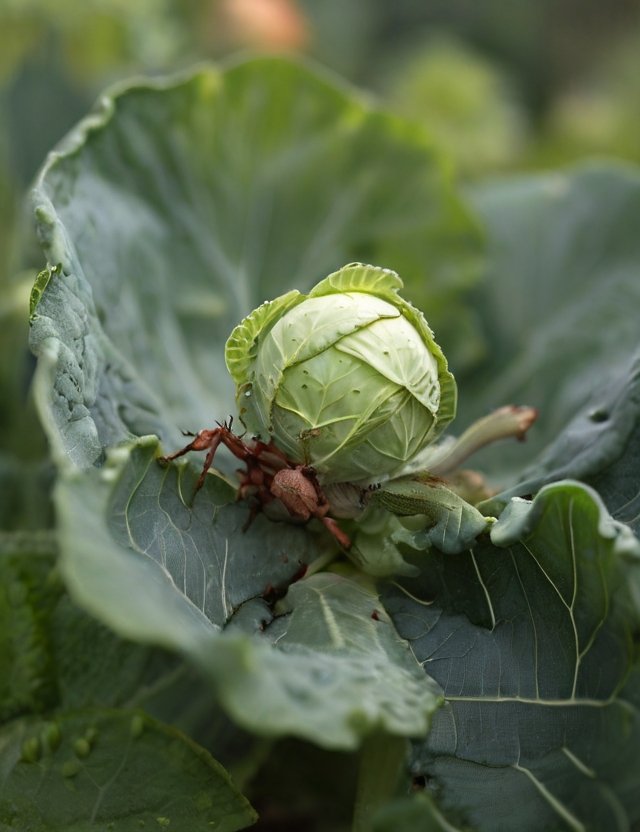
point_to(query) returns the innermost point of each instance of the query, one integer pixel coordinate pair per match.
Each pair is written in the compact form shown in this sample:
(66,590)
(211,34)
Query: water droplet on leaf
(31,750)
(82,748)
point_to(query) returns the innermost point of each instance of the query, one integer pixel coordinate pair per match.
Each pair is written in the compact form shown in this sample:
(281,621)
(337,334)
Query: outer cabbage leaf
(532,639)
(559,302)
(180,205)
(326,665)
(599,446)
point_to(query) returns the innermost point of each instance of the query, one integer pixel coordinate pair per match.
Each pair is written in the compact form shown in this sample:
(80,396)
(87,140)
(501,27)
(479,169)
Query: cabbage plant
(348,378)
(171,666)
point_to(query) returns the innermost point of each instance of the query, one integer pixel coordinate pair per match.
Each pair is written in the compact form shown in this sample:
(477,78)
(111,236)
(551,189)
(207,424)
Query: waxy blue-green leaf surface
(329,666)
(180,205)
(180,568)
(599,446)
(533,642)
(558,304)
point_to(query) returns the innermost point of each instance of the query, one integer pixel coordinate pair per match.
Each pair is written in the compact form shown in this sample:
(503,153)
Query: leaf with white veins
(532,640)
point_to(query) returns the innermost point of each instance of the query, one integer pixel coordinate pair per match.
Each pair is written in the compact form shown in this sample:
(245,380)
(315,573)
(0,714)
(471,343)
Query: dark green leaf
(25,473)
(94,667)
(533,644)
(28,595)
(103,770)
(55,656)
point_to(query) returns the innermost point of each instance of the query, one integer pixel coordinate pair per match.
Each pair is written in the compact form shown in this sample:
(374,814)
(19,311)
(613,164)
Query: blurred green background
(503,86)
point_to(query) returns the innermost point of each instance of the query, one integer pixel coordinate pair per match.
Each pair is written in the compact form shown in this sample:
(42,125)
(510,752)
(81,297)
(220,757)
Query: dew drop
(81,748)
(31,750)
(51,736)
(137,726)
(71,768)
(90,735)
